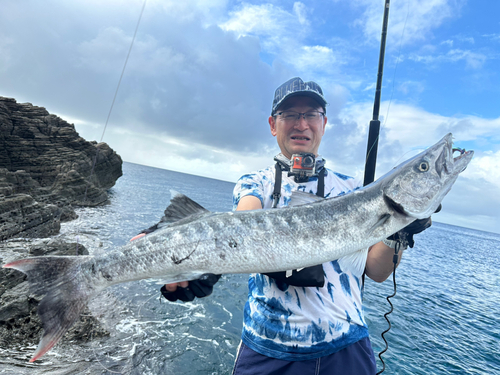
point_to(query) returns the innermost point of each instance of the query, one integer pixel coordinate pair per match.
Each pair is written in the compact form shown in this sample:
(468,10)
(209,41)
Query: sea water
(446,317)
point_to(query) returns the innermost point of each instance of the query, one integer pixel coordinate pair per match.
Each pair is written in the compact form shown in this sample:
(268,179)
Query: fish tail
(66,294)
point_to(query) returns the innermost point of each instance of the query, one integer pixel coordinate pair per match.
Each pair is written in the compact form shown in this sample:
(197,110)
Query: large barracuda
(195,241)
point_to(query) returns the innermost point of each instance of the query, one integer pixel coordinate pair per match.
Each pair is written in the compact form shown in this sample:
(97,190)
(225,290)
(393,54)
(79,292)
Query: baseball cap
(295,87)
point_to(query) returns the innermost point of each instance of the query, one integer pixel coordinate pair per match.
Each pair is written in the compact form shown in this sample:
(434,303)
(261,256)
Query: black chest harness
(283,164)
(310,276)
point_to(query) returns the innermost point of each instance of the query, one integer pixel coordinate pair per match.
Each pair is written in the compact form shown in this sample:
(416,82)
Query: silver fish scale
(288,238)
(253,241)
(195,241)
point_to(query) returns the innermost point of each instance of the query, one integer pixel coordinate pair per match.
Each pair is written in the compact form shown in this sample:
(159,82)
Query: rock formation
(46,168)
(19,322)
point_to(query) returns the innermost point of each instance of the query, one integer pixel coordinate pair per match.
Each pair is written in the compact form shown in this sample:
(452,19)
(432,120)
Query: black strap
(309,276)
(321,183)
(277,185)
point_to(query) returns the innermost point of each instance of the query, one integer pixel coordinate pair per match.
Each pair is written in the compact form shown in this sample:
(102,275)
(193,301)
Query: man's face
(298,136)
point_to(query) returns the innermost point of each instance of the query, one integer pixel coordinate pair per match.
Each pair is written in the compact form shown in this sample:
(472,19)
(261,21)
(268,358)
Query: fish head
(417,187)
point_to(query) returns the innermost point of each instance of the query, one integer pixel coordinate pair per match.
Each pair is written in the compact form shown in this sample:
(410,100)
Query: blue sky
(199,84)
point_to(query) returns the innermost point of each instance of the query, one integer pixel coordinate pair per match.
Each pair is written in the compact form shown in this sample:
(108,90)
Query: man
(307,321)
(292,325)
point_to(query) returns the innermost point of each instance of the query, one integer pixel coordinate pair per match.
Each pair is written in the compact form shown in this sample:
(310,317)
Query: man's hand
(380,260)
(406,234)
(187,290)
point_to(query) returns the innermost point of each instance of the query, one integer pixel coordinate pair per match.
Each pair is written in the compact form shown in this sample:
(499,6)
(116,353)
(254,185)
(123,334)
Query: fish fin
(180,207)
(65,294)
(299,198)
(381,221)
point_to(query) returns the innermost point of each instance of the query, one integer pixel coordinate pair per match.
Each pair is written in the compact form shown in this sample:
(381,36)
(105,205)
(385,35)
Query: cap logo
(297,86)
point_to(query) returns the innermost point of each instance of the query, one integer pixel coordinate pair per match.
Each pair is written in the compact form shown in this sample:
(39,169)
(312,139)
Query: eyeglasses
(291,116)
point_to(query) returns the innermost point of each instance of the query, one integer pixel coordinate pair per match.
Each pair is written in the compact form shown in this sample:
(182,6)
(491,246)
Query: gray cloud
(193,82)
(196,97)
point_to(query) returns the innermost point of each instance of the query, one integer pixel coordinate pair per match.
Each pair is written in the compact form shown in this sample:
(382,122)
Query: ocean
(446,317)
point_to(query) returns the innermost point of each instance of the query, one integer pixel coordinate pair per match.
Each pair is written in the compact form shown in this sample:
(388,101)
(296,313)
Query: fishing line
(143,304)
(92,346)
(94,162)
(397,63)
(97,153)
(405,157)
(97,359)
(398,243)
(386,315)
(114,97)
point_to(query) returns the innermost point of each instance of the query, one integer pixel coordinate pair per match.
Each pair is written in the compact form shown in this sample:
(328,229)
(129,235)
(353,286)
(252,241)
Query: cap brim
(311,94)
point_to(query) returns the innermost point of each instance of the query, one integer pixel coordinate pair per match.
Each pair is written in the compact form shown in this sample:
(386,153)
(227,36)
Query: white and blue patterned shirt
(301,323)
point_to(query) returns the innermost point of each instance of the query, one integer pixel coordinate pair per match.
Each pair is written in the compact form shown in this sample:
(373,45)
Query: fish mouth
(462,154)
(450,164)
(395,206)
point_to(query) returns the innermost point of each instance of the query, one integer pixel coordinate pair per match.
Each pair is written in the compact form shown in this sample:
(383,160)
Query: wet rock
(19,322)
(46,169)
(21,215)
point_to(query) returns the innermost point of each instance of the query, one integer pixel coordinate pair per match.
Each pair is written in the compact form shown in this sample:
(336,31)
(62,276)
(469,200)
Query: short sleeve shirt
(301,323)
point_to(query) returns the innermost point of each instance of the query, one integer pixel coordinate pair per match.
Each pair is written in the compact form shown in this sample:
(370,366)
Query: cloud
(399,124)
(199,83)
(189,11)
(409,21)
(165,151)
(6,46)
(314,59)
(191,77)
(486,166)
(301,11)
(473,202)
(473,60)
(106,51)
(283,33)
(494,37)
(413,88)
(191,80)
(272,23)
(466,39)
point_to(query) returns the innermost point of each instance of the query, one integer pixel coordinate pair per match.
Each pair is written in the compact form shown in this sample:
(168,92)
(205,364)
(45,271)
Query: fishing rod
(371,159)
(373,135)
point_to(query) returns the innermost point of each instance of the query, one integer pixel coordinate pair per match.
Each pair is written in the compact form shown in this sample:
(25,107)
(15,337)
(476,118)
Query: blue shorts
(356,359)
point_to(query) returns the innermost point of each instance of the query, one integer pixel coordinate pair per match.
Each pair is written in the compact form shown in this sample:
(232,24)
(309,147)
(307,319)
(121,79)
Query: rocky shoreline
(46,170)
(19,322)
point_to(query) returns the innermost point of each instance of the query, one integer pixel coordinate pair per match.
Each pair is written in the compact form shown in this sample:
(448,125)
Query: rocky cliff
(46,169)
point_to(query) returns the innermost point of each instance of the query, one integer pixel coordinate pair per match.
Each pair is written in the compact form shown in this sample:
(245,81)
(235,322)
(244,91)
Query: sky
(197,90)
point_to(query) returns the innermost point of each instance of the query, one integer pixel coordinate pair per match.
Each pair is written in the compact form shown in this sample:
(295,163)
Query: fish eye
(423,166)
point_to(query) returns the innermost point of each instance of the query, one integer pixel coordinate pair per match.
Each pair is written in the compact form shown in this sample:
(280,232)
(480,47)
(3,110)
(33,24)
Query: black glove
(405,235)
(309,276)
(201,287)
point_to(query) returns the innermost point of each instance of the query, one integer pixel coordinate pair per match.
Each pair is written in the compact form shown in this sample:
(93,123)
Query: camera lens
(307,162)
